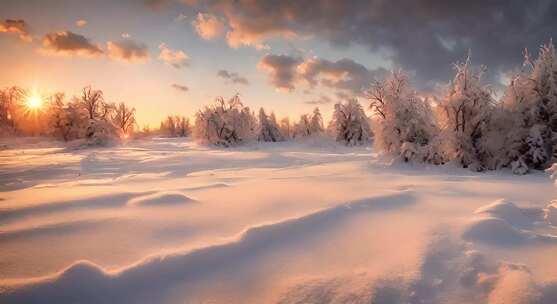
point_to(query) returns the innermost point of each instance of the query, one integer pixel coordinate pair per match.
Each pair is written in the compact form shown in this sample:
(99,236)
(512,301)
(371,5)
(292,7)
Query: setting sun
(34,102)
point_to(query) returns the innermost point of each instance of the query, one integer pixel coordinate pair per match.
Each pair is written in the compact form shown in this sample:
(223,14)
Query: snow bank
(450,273)
(504,223)
(148,280)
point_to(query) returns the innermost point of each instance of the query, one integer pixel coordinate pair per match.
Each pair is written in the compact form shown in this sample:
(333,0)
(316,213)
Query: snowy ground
(169,221)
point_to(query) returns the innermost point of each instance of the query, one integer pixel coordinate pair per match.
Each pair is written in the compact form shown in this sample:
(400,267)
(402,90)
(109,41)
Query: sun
(34,102)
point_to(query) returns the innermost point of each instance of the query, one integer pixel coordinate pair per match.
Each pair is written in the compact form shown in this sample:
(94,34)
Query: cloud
(175,58)
(208,26)
(346,75)
(69,43)
(321,100)
(232,77)
(180,18)
(281,69)
(428,40)
(180,87)
(18,27)
(127,50)
(81,23)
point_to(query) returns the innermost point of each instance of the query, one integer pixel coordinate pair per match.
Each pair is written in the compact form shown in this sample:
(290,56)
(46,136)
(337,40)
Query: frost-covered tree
(183,126)
(309,125)
(93,102)
(175,126)
(303,127)
(225,123)
(286,128)
(316,123)
(124,119)
(58,117)
(467,110)
(97,127)
(405,125)
(350,123)
(530,103)
(10,99)
(268,127)
(168,127)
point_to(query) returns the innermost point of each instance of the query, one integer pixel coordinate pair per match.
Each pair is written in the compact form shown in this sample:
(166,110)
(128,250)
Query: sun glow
(34,102)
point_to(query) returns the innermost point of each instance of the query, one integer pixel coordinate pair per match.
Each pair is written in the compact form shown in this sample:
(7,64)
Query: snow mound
(160,199)
(506,211)
(504,223)
(514,285)
(450,272)
(494,230)
(148,280)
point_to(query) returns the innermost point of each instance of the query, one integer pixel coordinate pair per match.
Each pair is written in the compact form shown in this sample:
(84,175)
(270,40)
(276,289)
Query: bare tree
(93,102)
(9,103)
(183,127)
(124,118)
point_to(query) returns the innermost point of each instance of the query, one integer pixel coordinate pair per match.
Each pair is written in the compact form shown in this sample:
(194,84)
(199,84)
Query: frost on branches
(225,123)
(175,126)
(405,124)
(309,125)
(268,128)
(531,105)
(350,124)
(467,109)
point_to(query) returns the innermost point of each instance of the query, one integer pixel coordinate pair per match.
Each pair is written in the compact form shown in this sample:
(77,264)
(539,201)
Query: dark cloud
(180,87)
(128,50)
(18,27)
(232,77)
(321,100)
(281,69)
(70,43)
(346,75)
(425,36)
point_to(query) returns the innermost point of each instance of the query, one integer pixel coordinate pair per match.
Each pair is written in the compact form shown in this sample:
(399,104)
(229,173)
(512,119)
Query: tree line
(466,125)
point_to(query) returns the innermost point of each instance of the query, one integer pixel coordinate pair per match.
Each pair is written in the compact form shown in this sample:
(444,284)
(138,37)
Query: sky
(174,56)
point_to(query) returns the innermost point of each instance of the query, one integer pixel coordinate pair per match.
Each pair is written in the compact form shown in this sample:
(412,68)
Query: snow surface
(170,221)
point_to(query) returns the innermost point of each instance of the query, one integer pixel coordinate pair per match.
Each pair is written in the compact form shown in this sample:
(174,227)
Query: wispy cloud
(128,50)
(180,87)
(181,18)
(321,100)
(175,58)
(233,77)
